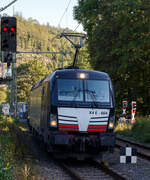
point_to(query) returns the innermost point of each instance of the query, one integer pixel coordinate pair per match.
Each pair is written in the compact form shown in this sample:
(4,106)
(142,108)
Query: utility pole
(13,87)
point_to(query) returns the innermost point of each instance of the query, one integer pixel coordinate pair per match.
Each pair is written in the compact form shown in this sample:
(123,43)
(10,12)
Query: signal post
(8,48)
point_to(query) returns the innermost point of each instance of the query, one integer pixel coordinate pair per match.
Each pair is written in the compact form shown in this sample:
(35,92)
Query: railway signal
(133,111)
(8,34)
(124,108)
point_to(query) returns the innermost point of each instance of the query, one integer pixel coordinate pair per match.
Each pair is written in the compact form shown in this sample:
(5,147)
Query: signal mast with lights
(133,110)
(8,55)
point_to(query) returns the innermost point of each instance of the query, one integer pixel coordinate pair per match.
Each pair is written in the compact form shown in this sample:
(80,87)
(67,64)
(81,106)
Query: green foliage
(83,59)
(6,156)
(139,130)
(28,74)
(32,36)
(119,44)
(33,67)
(3,94)
(6,166)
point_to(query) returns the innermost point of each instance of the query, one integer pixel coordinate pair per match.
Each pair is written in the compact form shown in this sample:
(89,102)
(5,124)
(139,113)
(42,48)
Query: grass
(16,161)
(6,153)
(13,152)
(140,130)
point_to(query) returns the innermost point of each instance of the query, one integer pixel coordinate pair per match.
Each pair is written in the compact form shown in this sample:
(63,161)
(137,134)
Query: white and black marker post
(128,155)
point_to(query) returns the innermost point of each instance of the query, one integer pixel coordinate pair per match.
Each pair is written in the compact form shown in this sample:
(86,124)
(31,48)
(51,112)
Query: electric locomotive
(72,110)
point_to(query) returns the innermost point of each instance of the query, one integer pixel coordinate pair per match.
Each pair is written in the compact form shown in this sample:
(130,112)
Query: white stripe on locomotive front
(75,123)
(67,122)
(67,118)
(98,123)
(84,116)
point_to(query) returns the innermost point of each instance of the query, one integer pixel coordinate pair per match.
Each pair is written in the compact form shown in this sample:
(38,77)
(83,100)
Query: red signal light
(12,29)
(5,29)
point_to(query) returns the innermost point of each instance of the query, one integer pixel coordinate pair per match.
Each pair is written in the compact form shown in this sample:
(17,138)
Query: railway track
(92,169)
(48,168)
(143,151)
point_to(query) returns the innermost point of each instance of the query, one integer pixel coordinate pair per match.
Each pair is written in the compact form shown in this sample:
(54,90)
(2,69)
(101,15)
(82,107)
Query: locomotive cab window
(97,90)
(83,90)
(70,90)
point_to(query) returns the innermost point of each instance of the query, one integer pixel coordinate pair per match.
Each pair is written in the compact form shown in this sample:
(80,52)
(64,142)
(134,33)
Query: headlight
(53,120)
(111,125)
(53,123)
(111,122)
(82,75)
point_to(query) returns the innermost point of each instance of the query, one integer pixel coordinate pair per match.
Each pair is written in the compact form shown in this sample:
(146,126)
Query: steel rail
(70,171)
(143,146)
(108,170)
(140,147)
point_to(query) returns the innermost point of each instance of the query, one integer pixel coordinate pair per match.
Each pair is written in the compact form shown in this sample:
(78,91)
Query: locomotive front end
(82,115)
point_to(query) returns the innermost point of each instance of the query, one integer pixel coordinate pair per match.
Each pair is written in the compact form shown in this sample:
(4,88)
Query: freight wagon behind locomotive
(72,110)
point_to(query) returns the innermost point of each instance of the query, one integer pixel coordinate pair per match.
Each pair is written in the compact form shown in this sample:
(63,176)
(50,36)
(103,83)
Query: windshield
(97,90)
(83,90)
(70,90)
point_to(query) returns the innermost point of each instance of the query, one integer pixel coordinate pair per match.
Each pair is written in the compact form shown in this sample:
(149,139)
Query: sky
(51,11)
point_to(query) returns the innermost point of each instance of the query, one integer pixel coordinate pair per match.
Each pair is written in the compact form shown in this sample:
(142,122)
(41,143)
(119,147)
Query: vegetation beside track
(140,130)
(14,164)
(6,149)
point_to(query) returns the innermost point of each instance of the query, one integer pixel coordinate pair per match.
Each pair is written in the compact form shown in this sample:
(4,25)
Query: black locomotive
(72,110)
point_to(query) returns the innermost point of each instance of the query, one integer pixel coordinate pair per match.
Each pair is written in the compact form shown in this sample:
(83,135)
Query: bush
(140,130)
(6,146)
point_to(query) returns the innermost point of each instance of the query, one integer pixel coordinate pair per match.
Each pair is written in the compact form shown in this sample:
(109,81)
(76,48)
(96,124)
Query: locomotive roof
(70,73)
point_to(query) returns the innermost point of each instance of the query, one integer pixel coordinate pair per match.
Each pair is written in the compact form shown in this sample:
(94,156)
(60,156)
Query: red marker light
(5,29)
(12,29)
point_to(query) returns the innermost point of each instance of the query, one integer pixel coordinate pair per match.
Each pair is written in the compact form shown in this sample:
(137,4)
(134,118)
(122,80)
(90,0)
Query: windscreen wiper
(77,92)
(92,94)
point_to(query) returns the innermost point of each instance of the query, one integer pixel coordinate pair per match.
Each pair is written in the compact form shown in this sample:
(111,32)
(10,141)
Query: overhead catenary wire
(76,27)
(3,8)
(66,9)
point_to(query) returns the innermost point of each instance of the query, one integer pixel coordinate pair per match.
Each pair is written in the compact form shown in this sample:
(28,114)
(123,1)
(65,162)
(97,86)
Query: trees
(28,74)
(119,44)
(32,67)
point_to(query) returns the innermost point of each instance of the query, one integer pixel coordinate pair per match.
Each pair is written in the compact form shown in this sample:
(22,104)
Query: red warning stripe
(68,125)
(96,127)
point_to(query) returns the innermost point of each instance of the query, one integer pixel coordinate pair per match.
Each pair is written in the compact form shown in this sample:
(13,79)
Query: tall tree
(119,43)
